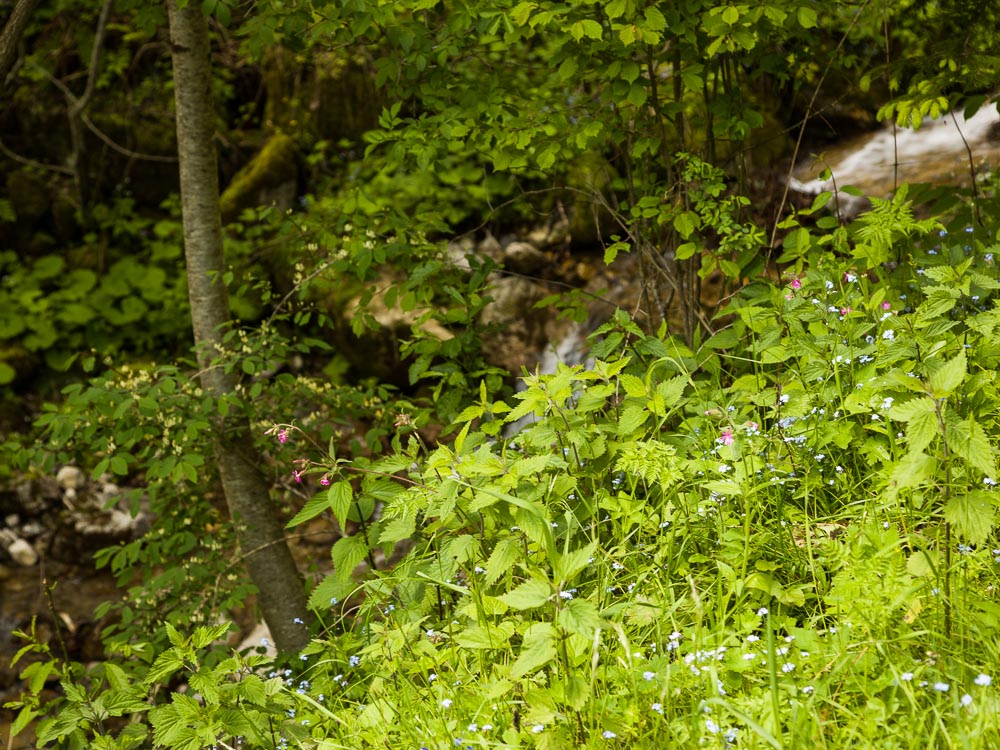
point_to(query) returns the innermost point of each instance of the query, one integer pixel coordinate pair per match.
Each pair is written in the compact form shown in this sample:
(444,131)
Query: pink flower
(845,310)
(325,480)
(796,284)
(297,475)
(283,436)
(726,438)
(886,306)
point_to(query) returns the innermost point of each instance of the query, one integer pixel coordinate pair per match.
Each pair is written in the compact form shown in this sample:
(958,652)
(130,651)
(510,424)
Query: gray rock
(523,257)
(70,477)
(22,553)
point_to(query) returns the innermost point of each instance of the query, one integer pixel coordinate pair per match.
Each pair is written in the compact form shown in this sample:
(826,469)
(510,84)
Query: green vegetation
(767,521)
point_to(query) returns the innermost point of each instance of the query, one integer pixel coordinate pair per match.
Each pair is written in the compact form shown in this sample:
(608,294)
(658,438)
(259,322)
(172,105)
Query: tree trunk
(260,531)
(11,35)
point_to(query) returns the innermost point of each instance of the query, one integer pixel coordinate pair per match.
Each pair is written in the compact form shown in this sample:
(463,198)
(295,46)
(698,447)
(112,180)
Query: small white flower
(966,700)
(762,612)
(906,676)
(608,734)
(648,676)
(538,728)
(983,680)
(446,703)
(658,707)
(941,687)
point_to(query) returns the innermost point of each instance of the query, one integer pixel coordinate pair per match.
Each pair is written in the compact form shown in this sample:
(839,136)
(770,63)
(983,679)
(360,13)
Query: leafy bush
(780,539)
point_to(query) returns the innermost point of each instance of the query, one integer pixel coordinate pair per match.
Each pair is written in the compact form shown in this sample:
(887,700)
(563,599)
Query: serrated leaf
(346,553)
(537,649)
(912,469)
(633,416)
(949,376)
(971,515)
(317,504)
(580,617)
(528,595)
(207,634)
(502,559)
(566,567)
(490,637)
(967,439)
(341,497)
(165,665)
(397,529)
(330,591)
(633,385)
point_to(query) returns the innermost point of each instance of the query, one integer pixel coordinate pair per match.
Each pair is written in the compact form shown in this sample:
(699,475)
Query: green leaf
(346,553)
(489,637)
(685,223)
(341,497)
(949,376)
(528,595)
(119,466)
(592,29)
(502,559)
(206,635)
(730,15)
(566,567)
(633,385)
(972,515)
(165,665)
(538,648)
(968,439)
(314,506)
(580,617)
(807,17)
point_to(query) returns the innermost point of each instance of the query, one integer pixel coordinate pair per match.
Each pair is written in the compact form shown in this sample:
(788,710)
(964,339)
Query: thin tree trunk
(10,37)
(260,531)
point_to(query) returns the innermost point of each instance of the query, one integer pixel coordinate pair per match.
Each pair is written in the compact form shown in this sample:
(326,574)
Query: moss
(273,167)
(29,195)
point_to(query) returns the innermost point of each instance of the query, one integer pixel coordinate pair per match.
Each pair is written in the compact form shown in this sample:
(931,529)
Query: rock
(270,177)
(12,520)
(523,257)
(70,477)
(22,553)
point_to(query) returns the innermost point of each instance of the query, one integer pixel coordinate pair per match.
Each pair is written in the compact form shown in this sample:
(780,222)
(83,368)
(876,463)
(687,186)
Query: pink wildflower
(845,310)
(796,284)
(325,480)
(283,436)
(726,438)
(297,475)
(886,306)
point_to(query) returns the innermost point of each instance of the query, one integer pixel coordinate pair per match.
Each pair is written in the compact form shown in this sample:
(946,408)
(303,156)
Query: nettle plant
(782,538)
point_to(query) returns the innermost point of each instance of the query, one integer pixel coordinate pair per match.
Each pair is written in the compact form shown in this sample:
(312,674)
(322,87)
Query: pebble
(70,477)
(22,553)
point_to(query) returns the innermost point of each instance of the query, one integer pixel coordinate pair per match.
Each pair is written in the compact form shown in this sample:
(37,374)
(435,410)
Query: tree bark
(10,37)
(260,531)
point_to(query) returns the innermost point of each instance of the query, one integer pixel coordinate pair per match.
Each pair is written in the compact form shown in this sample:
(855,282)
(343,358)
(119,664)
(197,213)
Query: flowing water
(944,151)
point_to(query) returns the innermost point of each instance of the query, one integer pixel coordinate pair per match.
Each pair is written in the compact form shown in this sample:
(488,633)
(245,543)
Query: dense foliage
(768,523)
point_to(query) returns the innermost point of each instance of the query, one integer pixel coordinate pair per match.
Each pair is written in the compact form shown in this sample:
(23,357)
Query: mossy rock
(270,177)
(29,195)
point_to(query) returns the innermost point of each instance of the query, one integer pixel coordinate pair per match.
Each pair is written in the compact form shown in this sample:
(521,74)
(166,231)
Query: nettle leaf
(538,648)
(565,567)
(346,553)
(580,617)
(528,595)
(949,376)
(920,415)
(968,440)
(972,515)
(317,504)
(502,559)
(165,665)
(491,637)
(913,469)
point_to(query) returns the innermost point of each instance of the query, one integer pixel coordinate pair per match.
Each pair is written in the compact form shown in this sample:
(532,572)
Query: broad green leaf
(346,553)
(490,637)
(165,665)
(807,17)
(317,504)
(537,649)
(592,29)
(528,595)
(565,567)
(912,469)
(972,515)
(967,439)
(949,376)
(633,385)
(580,617)
(502,559)
(341,497)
